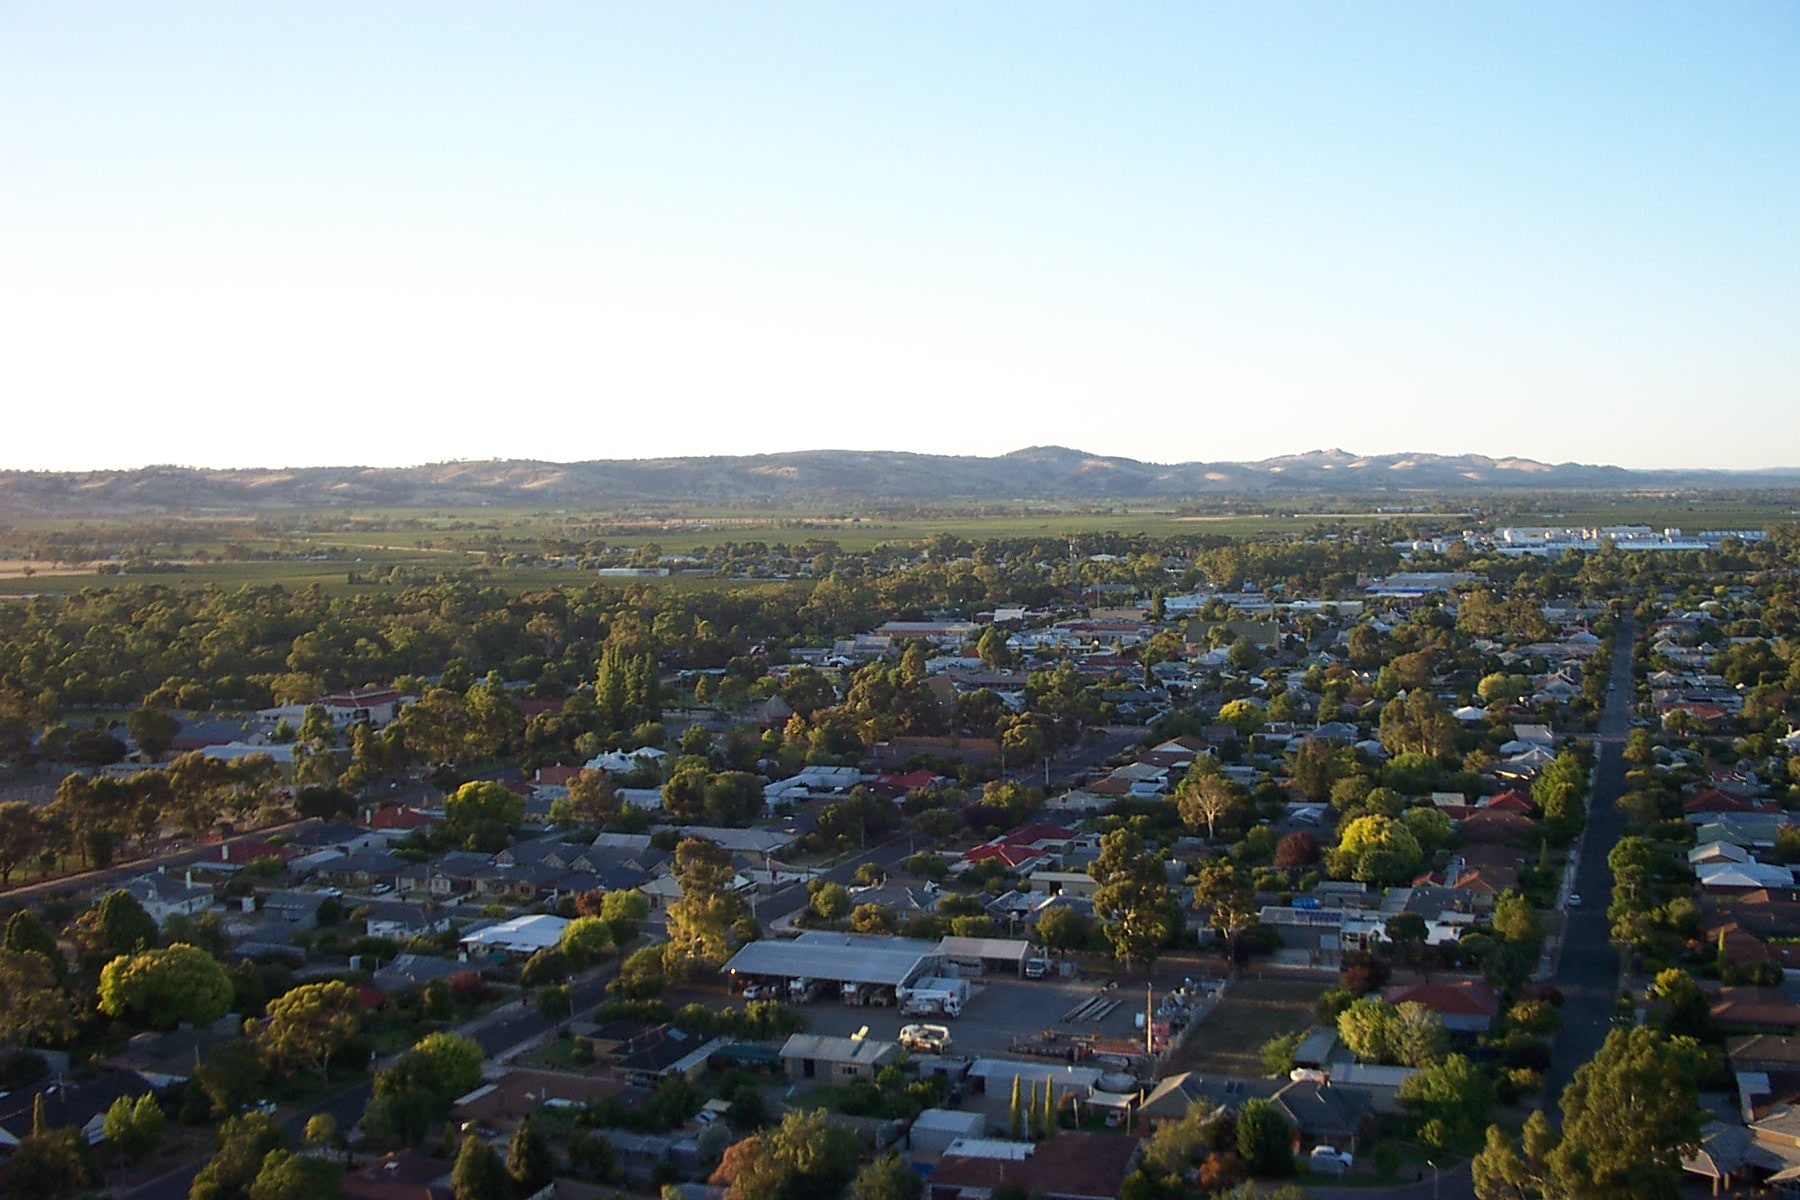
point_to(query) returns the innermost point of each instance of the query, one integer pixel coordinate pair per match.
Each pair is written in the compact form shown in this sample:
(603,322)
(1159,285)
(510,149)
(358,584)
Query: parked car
(1329,1160)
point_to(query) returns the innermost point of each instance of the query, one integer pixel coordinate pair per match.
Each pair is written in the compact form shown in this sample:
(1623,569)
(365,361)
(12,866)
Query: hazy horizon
(1148,461)
(340,234)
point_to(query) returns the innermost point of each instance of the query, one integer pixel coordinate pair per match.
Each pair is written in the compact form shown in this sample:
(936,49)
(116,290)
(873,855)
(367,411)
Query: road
(1588,968)
(1106,742)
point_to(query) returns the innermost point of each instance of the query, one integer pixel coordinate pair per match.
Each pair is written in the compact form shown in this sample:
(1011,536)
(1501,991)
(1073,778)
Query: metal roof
(837,958)
(1009,949)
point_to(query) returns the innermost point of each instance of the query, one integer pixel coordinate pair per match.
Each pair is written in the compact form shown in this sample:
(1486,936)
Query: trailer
(925,1039)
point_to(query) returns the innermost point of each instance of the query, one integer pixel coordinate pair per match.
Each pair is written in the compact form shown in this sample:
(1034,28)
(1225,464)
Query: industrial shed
(986,954)
(813,1056)
(837,958)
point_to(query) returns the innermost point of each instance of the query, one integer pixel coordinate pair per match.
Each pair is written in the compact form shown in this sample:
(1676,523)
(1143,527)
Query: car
(381,889)
(1329,1160)
(1574,899)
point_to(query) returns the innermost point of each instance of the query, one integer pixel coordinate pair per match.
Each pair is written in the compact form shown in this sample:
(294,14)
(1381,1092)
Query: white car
(1574,899)
(1329,1160)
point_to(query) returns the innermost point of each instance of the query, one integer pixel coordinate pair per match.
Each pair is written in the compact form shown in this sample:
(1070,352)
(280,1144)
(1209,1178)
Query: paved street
(1588,971)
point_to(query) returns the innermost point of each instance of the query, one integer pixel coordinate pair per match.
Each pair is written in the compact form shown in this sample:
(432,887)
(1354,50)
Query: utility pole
(1149,1029)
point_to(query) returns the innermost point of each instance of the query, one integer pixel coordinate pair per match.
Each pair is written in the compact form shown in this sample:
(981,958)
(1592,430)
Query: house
(417,970)
(517,1093)
(375,707)
(1171,1098)
(406,1175)
(1465,1005)
(520,937)
(814,1056)
(365,868)
(1755,1008)
(164,1059)
(1070,1166)
(162,896)
(402,919)
(81,1105)
(1321,1114)
(1730,876)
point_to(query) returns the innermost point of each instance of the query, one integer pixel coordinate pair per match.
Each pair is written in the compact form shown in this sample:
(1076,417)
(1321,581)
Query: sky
(288,234)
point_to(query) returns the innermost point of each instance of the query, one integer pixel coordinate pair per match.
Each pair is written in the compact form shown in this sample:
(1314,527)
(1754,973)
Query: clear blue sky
(265,234)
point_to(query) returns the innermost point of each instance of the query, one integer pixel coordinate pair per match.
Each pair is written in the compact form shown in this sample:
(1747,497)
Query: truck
(938,985)
(855,994)
(925,1039)
(803,991)
(931,1004)
(1037,968)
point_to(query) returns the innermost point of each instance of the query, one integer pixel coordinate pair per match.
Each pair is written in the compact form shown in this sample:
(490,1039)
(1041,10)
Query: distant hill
(835,476)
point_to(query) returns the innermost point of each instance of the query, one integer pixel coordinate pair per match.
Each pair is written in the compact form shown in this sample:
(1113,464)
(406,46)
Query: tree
(1206,799)
(133,1127)
(21,837)
(1377,1032)
(34,1009)
(592,797)
(831,901)
(1516,922)
(479,1174)
(481,815)
(307,1026)
(700,922)
(1062,929)
(528,1160)
(1228,896)
(49,1164)
(441,1065)
(873,919)
(152,729)
(289,1176)
(803,1158)
(1451,1100)
(585,941)
(622,911)
(166,987)
(887,1178)
(1264,1139)
(1417,724)
(244,1142)
(1376,849)
(1133,897)
(116,925)
(1630,1116)
(1017,1123)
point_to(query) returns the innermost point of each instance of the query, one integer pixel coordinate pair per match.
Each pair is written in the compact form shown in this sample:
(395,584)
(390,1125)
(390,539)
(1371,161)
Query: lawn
(1252,1012)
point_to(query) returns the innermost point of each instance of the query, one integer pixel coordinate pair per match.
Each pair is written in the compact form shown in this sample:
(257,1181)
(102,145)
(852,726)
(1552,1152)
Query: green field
(232,551)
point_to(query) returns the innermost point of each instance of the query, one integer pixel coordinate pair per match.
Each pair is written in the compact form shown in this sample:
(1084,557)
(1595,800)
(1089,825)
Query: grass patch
(1252,1012)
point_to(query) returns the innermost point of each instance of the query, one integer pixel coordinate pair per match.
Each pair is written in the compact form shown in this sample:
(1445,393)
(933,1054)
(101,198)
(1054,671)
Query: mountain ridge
(839,476)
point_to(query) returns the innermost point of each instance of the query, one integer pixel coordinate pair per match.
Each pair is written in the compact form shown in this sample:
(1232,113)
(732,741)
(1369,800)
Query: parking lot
(999,1009)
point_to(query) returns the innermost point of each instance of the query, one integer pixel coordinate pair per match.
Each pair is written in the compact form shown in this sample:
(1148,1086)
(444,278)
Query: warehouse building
(837,958)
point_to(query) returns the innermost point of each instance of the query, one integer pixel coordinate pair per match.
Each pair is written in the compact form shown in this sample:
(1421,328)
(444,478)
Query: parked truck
(803,991)
(856,994)
(925,1039)
(939,985)
(931,1004)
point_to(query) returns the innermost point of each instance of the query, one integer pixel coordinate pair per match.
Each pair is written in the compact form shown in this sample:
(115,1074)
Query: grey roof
(837,957)
(1010,949)
(858,1051)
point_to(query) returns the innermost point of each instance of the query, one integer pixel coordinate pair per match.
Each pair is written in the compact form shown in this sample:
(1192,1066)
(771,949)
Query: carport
(837,958)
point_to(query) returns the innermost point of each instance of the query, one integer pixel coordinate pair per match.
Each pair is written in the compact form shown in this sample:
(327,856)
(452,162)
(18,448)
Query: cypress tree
(1018,1110)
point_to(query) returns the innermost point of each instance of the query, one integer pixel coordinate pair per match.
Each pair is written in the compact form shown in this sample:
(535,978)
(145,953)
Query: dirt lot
(1253,1011)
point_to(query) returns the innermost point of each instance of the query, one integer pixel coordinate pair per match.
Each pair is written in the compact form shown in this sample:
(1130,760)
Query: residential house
(406,1175)
(81,1104)
(1070,1166)
(1320,1114)
(162,896)
(1464,1005)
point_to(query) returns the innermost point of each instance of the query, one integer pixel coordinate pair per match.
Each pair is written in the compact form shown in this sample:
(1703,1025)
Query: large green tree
(1630,1116)
(307,1026)
(166,987)
(700,922)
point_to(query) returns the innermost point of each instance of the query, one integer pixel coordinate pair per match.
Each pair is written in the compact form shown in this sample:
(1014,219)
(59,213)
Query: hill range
(847,477)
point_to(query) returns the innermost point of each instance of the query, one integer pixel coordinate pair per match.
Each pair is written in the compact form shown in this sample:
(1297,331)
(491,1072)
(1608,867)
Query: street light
(1435,1173)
